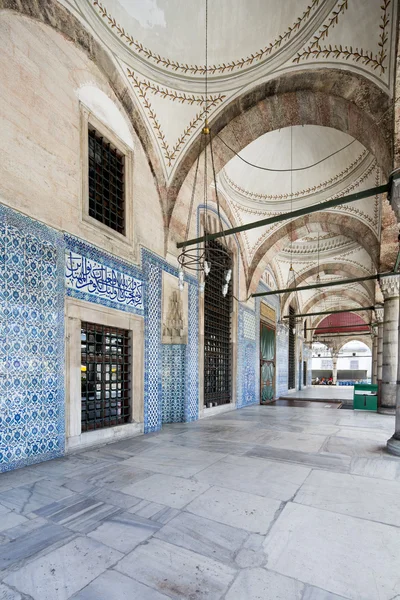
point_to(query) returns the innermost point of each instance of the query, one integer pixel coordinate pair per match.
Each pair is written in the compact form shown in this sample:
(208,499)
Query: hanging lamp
(202,258)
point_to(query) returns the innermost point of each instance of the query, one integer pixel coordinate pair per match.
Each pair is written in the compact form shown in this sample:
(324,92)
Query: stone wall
(41,77)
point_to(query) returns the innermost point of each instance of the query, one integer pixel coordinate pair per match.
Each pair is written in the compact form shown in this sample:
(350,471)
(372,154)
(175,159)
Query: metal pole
(381,189)
(322,285)
(343,334)
(324,329)
(330,312)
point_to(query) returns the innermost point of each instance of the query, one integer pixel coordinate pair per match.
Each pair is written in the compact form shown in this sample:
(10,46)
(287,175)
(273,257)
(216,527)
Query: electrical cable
(284,170)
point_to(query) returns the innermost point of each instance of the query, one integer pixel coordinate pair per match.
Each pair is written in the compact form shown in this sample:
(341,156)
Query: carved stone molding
(379,314)
(390,286)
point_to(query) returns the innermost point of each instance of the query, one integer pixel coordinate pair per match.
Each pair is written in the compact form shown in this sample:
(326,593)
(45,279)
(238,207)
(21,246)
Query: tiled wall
(38,267)
(173,383)
(247,390)
(282,364)
(31,341)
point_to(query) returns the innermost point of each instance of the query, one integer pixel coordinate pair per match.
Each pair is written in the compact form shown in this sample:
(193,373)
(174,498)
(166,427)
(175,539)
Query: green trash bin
(365,397)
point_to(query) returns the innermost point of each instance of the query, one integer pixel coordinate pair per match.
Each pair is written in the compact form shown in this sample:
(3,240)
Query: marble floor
(263,503)
(332,393)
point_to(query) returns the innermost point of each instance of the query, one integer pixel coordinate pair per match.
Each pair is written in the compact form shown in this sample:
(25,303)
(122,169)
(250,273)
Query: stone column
(335,357)
(379,318)
(374,360)
(393,445)
(390,290)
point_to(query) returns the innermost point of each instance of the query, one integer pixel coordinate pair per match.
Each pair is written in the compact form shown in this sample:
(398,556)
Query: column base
(393,446)
(386,410)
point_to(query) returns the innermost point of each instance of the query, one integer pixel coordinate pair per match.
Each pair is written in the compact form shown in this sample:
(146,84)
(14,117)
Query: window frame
(89,120)
(78,311)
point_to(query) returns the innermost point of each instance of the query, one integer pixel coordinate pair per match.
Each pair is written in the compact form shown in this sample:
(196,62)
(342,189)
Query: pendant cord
(206,98)
(291,196)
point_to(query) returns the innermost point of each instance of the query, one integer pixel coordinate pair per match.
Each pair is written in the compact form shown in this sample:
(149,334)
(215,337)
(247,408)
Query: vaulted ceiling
(158,47)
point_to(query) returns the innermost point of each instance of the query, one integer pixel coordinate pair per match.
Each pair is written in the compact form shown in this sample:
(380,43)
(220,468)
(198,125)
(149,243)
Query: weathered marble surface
(351,557)
(254,584)
(178,572)
(239,509)
(376,500)
(216,509)
(174,491)
(206,537)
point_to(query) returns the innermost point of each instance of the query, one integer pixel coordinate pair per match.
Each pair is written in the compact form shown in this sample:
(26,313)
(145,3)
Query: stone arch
(365,315)
(349,294)
(327,221)
(355,338)
(339,268)
(333,98)
(53,14)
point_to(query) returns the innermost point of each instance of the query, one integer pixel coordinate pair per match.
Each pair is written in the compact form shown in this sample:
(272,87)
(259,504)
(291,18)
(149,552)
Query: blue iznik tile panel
(246,374)
(31,341)
(95,276)
(152,268)
(173,383)
(96,279)
(192,357)
(282,360)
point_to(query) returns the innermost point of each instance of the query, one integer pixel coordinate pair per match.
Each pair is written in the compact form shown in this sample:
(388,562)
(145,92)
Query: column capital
(379,314)
(390,286)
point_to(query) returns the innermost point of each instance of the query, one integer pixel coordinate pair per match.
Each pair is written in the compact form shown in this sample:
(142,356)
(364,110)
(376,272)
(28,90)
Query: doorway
(292,350)
(267,363)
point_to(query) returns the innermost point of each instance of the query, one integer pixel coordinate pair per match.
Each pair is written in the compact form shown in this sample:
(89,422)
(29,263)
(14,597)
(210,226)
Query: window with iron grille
(106,182)
(217,333)
(105,376)
(292,348)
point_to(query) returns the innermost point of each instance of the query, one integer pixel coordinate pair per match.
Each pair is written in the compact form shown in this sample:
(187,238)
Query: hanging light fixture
(291,282)
(202,258)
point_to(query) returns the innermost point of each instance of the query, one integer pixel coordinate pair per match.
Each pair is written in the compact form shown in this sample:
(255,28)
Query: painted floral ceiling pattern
(159,47)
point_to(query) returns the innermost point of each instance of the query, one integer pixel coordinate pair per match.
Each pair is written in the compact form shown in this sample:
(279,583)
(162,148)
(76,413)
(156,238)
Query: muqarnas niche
(175,311)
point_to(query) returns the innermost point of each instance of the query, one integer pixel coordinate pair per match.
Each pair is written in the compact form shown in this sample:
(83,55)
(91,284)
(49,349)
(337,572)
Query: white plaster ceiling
(276,189)
(158,46)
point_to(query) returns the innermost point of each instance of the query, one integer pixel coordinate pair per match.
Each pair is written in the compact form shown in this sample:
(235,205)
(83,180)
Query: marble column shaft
(390,289)
(334,369)
(393,444)
(380,344)
(374,362)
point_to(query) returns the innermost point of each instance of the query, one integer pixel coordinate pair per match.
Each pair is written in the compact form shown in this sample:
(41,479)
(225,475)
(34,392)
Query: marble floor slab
(373,499)
(177,572)
(238,509)
(124,531)
(257,584)
(173,460)
(266,503)
(262,477)
(65,571)
(112,585)
(206,537)
(7,593)
(175,492)
(303,442)
(347,556)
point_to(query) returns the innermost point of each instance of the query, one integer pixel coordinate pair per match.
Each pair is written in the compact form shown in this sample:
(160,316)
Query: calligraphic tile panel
(90,277)
(31,341)
(95,276)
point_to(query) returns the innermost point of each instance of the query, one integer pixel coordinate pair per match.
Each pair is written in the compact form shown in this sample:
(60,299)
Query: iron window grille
(105,376)
(217,331)
(106,182)
(292,348)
